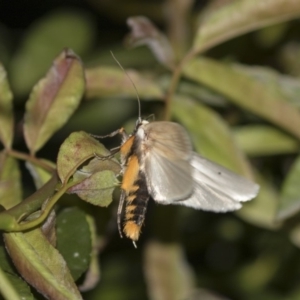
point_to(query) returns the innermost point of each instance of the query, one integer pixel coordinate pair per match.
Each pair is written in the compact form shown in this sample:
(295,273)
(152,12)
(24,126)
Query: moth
(158,162)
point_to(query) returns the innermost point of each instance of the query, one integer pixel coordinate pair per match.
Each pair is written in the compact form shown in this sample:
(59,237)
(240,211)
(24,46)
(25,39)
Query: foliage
(232,107)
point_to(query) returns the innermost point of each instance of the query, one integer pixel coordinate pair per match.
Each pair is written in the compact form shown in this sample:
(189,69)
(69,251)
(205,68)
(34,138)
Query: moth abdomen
(135,208)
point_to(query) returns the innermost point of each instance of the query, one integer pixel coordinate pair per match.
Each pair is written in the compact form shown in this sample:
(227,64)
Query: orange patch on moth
(129,208)
(129,216)
(132,230)
(130,198)
(131,175)
(126,147)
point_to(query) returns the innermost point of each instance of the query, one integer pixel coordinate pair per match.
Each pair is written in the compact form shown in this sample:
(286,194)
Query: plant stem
(33,159)
(45,211)
(9,218)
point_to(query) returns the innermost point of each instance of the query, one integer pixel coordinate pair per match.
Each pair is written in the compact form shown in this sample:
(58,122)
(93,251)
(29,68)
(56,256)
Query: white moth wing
(176,175)
(206,198)
(168,180)
(220,178)
(216,188)
(166,151)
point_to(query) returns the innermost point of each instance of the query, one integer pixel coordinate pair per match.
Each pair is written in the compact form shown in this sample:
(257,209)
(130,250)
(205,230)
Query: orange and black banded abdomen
(135,188)
(135,208)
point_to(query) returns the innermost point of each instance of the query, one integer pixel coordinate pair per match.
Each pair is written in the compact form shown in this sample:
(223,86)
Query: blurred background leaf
(264,140)
(290,197)
(6,110)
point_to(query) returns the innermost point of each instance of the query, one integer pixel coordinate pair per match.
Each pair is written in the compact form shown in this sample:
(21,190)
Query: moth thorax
(140,134)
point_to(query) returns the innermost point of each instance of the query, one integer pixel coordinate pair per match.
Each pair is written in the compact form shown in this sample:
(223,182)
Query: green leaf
(97,189)
(44,40)
(41,265)
(245,91)
(14,280)
(74,151)
(12,287)
(92,276)
(97,181)
(210,134)
(6,110)
(259,140)
(289,203)
(201,93)
(98,165)
(73,229)
(113,82)
(240,17)
(10,181)
(287,87)
(53,100)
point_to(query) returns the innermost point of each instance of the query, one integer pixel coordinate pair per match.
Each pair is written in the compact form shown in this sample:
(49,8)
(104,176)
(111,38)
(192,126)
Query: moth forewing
(168,139)
(165,151)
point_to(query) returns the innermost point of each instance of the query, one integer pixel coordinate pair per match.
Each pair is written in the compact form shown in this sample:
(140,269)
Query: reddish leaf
(53,100)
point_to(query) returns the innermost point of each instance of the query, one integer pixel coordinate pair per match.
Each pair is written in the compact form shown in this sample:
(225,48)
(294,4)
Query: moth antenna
(136,91)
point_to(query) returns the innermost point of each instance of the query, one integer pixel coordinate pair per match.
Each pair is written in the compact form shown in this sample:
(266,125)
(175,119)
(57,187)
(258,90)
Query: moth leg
(115,150)
(112,153)
(151,117)
(119,212)
(112,134)
(120,131)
